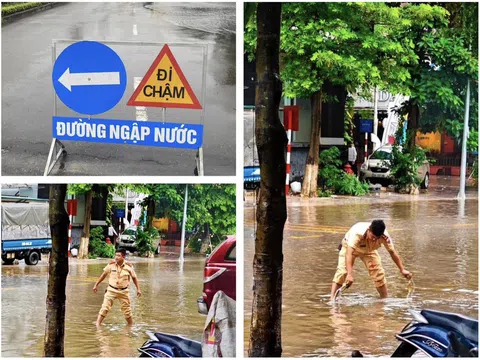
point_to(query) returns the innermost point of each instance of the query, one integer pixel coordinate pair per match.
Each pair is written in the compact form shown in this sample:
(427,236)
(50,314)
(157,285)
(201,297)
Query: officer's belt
(118,288)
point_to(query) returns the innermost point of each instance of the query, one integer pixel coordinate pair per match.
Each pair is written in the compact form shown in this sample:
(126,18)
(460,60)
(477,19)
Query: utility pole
(463,164)
(375,111)
(184,221)
(126,208)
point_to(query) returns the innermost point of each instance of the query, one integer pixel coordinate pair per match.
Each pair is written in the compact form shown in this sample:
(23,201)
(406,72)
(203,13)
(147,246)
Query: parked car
(378,165)
(127,239)
(219,274)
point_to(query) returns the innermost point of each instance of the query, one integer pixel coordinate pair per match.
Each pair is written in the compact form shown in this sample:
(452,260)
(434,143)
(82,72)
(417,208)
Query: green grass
(12,8)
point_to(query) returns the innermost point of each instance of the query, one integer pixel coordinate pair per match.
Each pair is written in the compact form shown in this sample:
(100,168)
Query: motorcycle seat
(191,347)
(465,326)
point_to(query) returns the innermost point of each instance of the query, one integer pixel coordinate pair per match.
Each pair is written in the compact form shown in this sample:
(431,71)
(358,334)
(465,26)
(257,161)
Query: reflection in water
(168,304)
(437,241)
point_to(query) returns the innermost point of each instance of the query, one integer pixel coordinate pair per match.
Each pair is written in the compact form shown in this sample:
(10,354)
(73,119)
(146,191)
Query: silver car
(378,166)
(127,239)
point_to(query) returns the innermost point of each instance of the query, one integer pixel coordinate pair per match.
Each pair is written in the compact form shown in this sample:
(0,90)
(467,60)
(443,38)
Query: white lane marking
(135,31)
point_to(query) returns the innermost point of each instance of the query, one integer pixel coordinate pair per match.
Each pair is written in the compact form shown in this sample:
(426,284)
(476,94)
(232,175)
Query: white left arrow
(81,79)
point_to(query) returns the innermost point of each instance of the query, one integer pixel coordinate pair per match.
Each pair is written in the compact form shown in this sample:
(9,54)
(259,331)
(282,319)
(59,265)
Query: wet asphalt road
(27,91)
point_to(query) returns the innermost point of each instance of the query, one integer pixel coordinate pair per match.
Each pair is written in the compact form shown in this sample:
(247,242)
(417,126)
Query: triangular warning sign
(164,85)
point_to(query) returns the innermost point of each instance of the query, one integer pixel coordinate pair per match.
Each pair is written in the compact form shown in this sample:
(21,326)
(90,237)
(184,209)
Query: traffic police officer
(362,240)
(120,273)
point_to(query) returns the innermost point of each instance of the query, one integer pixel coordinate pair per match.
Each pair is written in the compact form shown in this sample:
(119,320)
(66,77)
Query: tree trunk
(57,271)
(412,124)
(309,186)
(85,238)
(150,213)
(265,334)
(205,239)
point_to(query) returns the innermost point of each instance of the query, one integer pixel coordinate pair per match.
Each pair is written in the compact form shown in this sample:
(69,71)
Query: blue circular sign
(89,77)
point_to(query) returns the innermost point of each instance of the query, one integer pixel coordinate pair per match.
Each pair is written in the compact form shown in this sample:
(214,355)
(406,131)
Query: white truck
(25,232)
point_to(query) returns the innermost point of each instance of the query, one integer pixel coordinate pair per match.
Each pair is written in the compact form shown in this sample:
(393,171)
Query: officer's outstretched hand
(407,274)
(95,289)
(349,280)
(139,292)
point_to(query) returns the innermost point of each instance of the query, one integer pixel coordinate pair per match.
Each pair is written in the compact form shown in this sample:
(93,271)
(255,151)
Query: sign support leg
(200,161)
(53,148)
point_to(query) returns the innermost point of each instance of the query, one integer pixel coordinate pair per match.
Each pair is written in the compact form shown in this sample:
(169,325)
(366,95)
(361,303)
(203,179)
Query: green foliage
(212,204)
(474,173)
(441,37)
(11,8)
(350,185)
(349,123)
(97,247)
(350,44)
(329,170)
(405,163)
(195,244)
(324,193)
(335,180)
(144,240)
(79,189)
(420,50)
(248,12)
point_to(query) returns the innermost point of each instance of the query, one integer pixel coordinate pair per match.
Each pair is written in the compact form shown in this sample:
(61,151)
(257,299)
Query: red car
(219,274)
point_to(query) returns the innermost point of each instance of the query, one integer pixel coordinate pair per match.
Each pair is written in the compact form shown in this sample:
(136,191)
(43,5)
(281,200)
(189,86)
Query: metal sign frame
(58,148)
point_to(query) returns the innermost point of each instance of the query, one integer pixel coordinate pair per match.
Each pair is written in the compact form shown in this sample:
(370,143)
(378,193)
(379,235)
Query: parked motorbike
(162,345)
(437,334)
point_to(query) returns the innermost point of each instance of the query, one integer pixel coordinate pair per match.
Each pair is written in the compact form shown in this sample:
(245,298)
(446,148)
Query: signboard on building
(120,213)
(383,99)
(431,141)
(366,126)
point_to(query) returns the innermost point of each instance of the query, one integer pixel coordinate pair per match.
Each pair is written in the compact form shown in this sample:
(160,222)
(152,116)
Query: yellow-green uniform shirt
(120,275)
(356,239)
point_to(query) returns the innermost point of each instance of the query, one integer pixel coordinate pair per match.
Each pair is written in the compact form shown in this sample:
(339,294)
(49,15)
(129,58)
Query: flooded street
(168,304)
(437,240)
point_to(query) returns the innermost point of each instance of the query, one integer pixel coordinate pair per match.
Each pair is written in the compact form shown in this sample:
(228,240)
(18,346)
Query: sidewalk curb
(22,14)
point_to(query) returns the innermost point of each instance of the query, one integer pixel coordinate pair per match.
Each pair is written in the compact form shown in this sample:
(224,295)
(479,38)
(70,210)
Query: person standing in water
(120,272)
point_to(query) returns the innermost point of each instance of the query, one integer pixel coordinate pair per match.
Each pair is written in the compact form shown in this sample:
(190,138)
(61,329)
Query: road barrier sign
(172,135)
(89,77)
(165,85)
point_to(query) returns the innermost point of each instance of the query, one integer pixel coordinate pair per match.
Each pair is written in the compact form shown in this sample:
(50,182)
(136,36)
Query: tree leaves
(414,49)
(213,204)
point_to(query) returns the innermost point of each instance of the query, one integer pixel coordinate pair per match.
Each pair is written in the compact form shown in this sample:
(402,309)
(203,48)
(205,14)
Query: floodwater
(436,239)
(168,304)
